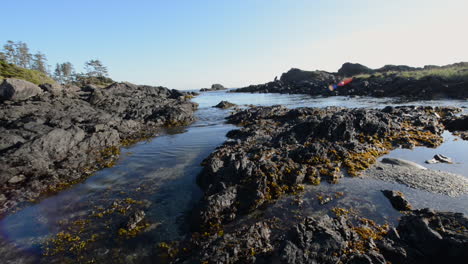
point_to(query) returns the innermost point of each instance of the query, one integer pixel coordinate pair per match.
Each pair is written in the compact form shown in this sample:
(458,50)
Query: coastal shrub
(455,72)
(8,70)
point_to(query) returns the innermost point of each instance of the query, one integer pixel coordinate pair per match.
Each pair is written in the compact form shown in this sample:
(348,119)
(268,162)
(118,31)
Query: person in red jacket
(332,87)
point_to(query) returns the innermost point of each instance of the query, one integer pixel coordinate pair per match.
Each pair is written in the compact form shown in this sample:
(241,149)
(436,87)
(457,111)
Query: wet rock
(135,218)
(16,90)
(403,163)
(328,240)
(433,237)
(278,149)
(398,200)
(439,158)
(245,245)
(56,139)
(435,181)
(224,105)
(422,236)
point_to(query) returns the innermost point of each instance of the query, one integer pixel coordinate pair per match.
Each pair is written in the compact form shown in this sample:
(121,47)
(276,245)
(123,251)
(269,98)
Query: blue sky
(192,44)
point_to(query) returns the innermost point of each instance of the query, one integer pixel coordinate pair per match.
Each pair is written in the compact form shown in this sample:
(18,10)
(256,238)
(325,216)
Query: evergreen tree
(39,62)
(95,68)
(24,57)
(10,52)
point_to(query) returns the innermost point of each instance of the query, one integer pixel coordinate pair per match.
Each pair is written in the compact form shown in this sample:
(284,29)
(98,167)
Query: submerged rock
(398,200)
(225,105)
(439,158)
(135,218)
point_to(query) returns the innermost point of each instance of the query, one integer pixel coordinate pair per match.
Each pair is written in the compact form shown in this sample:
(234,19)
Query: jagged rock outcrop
(278,149)
(384,82)
(59,137)
(351,69)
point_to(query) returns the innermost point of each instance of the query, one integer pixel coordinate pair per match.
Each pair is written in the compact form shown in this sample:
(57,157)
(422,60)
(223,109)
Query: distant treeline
(18,53)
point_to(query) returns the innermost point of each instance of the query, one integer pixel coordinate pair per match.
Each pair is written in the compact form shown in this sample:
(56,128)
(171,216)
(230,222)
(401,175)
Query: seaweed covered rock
(422,236)
(279,149)
(55,139)
(428,236)
(224,105)
(398,200)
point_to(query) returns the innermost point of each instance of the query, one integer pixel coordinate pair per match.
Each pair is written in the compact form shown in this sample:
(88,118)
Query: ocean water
(159,177)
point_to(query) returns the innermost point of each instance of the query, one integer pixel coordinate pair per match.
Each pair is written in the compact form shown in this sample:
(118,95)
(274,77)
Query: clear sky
(190,44)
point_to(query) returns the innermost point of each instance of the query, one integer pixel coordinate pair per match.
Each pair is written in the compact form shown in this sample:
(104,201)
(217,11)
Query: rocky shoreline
(53,136)
(388,81)
(278,150)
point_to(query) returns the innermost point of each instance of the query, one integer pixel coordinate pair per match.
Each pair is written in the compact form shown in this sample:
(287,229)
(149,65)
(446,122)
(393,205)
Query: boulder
(398,200)
(439,158)
(53,88)
(224,105)
(403,163)
(17,90)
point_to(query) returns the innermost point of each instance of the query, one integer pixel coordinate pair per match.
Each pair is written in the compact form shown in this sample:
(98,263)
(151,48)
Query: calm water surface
(161,175)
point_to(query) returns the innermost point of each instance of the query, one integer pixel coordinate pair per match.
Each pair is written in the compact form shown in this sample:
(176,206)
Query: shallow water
(161,174)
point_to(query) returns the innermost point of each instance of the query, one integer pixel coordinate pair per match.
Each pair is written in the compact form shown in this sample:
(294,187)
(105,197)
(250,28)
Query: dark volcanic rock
(225,105)
(351,69)
(433,237)
(16,90)
(278,149)
(298,76)
(398,200)
(53,140)
(384,83)
(422,236)
(458,125)
(396,68)
(245,245)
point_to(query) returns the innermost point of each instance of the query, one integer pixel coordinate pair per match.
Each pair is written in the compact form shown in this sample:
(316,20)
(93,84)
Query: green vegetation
(17,62)
(8,70)
(99,81)
(454,72)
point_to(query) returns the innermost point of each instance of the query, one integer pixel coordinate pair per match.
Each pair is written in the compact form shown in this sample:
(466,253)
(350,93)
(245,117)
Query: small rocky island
(214,87)
(429,82)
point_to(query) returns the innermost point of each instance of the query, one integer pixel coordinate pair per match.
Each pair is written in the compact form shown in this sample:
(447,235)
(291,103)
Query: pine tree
(39,62)
(95,68)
